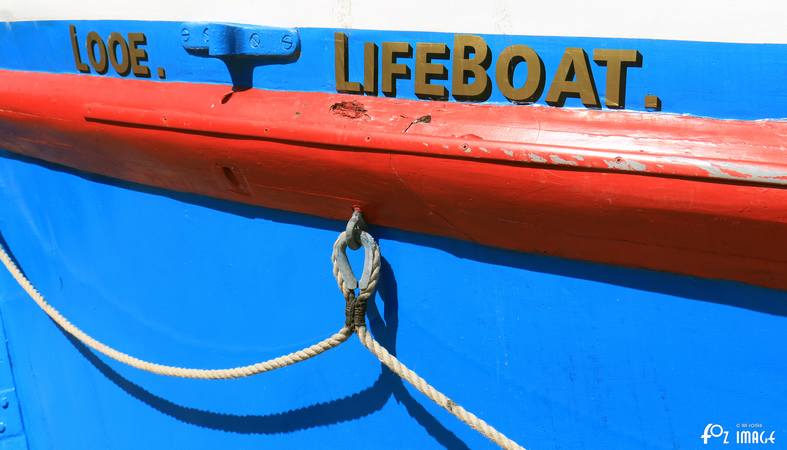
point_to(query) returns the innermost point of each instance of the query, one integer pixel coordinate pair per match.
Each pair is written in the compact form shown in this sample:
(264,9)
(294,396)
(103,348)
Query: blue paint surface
(555,353)
(230,40)
(12,429)
(734,81)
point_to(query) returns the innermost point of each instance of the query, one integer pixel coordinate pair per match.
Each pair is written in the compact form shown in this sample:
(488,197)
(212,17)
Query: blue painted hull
(554,353)
(706,79)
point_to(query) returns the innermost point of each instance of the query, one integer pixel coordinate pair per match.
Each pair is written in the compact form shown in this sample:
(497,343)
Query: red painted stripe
(690,195)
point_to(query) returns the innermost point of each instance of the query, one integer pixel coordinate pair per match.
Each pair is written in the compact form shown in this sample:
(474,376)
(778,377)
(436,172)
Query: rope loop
(355,304)
(355,320)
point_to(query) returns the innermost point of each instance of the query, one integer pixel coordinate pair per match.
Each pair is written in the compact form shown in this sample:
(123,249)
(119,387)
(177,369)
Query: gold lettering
(573,78)
(99,65)
(504,74)
(370,68)
(341,66)
(137,54)
(464,66)
(123,66)
(426,70)
(391,70)
(82,67)
(616,61)
(652,102)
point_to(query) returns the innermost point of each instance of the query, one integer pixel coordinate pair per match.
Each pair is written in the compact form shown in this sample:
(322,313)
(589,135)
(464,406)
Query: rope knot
(354,311)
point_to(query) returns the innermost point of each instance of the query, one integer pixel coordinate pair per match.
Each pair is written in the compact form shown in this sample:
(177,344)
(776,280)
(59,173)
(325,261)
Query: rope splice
(355,236)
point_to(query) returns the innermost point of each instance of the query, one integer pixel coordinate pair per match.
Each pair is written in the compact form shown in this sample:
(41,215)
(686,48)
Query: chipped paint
(579,157)
(625,164)
(349,109)
(556,159)
(535,158)
(508,152)
(423,119)
(736,171)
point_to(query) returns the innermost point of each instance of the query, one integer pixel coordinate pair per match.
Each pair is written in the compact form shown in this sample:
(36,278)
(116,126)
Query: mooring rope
(434,395)
(162,369)
(355,321)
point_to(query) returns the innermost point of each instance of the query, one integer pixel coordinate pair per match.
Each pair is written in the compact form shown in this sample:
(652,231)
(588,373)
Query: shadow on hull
(355,406)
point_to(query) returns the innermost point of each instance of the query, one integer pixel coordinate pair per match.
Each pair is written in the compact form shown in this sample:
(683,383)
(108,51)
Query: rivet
(2,427)
(185,34)
(4,402)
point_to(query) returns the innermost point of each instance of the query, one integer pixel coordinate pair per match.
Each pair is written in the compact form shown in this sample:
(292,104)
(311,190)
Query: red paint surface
(689,195)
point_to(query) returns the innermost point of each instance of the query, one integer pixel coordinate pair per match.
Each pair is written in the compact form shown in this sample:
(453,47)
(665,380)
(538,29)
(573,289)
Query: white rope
(161,369)
(395,365)
(355,313)
(434,395)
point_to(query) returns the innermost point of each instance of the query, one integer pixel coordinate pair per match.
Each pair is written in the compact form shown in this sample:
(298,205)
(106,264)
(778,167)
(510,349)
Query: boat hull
(180,202)
(536,345)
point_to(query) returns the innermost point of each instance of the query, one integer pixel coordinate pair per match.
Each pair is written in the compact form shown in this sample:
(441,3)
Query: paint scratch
(535,158)
(624,164)
(556,159)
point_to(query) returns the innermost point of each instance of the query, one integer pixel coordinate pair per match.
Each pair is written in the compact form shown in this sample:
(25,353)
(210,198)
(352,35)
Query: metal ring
(343,264)
(355,226)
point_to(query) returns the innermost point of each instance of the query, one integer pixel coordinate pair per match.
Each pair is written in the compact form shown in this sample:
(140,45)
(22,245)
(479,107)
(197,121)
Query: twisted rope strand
(433,394)
(161,369)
